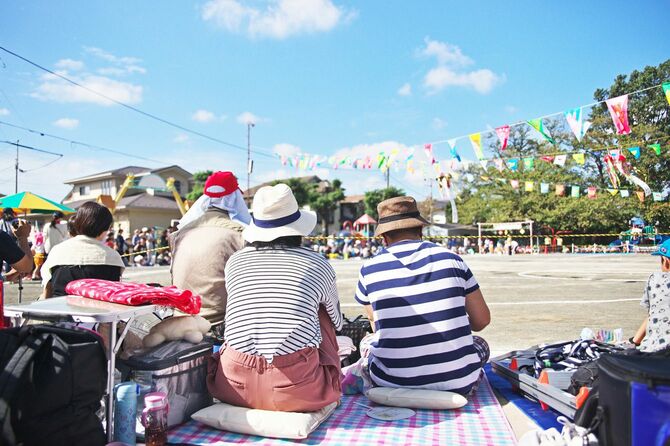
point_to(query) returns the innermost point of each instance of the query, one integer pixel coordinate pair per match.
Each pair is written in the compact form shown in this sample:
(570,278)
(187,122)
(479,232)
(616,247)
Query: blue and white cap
(276,214)
(663,249)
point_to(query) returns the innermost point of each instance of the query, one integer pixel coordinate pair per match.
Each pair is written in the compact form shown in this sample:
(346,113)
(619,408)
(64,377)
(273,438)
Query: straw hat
(398,213)
(276,214)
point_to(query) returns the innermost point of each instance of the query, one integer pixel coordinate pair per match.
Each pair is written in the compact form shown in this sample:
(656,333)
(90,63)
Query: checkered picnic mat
(481,422)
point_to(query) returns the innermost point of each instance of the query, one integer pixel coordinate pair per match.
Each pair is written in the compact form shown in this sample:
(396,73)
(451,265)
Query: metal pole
(16,169)
(249,165)
(388,177)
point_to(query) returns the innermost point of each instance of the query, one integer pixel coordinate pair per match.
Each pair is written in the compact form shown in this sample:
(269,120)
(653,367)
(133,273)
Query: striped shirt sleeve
(332,302)
(471,284)
(361,295)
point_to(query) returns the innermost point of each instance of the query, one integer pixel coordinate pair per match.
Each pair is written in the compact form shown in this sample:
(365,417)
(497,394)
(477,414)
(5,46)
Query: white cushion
(265,423)
(416,398)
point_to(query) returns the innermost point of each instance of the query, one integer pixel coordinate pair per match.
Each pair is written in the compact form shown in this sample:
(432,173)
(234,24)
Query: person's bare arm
(641,332)
(47,291)
(25,265)
(370,314)
(478,311)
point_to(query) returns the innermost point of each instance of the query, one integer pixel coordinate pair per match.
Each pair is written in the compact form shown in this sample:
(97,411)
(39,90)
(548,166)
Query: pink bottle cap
(155,400)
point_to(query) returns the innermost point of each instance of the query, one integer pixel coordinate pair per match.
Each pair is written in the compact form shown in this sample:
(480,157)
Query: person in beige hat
(280,350)
(424,303)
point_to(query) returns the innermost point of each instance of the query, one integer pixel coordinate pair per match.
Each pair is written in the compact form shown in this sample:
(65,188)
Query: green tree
(199,179)
(489,197)
(300,188)
(374,197)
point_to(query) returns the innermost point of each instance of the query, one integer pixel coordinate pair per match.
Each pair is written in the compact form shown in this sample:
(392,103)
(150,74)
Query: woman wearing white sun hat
(280,350)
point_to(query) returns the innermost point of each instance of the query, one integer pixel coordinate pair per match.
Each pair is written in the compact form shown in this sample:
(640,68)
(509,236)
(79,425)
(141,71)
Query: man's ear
(666,262)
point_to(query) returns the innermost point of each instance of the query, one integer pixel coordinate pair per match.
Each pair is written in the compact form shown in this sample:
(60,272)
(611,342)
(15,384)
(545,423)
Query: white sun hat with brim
(276,214)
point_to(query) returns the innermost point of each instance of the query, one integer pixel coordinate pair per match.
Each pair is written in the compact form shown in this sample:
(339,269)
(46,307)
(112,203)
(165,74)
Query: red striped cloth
(128,293)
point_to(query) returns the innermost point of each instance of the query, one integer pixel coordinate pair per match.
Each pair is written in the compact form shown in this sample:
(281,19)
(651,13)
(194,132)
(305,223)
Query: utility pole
(388,178)
(250,165)
(16,169)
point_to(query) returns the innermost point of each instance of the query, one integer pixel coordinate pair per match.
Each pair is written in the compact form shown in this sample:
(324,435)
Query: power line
(16,144)
(130,107)
(79,143)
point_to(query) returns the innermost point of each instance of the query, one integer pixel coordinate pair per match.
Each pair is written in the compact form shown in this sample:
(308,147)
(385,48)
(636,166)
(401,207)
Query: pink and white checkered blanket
(128,293)
(480,423)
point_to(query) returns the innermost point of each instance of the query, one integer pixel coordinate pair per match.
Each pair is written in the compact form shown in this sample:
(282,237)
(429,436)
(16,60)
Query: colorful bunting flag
(656,147)
(429,153)
(547,158)
(560,190)
(624,193)
(574,191)
(666,90)
(591,191)
(514,183)
(476,141)
(577,123)
(635,151)
(618,108)
(500,164)
(560,160)
(529,186)
(538,125)
(484,164)
(579,158)
(613,192)
(658,196)
(640,195)
(513,164)
(528,163)
(544,188)
(503,136)
(452,148)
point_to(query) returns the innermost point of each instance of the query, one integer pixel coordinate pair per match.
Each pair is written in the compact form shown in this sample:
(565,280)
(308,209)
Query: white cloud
(55,89)
(445,53)
(4,112)
(69,65)
(511,109)
(181,138)
(203,116)
(439,124)
(482,81)
(450,72)
(286,149)
(405,90)
(249,118)
(279,19)
(121,66)
(104,55)
(66,123)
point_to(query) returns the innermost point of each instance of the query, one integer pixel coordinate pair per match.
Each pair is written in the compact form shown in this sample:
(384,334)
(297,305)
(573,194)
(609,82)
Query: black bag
(355,329)
(51,384)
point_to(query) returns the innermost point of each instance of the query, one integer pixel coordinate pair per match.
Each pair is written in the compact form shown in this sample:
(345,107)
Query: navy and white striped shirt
(273,300)
(417,291)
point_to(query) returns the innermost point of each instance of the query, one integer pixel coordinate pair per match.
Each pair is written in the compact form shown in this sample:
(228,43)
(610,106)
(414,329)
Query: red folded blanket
(128,293)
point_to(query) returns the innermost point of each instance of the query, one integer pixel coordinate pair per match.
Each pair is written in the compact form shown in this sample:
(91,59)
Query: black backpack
(51,384)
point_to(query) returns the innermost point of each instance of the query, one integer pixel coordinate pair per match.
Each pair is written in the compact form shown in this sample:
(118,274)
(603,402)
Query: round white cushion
(416,398)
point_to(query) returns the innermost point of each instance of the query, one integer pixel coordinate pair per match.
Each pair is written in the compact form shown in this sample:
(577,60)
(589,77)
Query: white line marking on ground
(541,302)
(530,275)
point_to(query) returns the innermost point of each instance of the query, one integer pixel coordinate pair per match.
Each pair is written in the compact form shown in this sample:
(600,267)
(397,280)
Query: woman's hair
(70,227)
(92,219)
(290,241)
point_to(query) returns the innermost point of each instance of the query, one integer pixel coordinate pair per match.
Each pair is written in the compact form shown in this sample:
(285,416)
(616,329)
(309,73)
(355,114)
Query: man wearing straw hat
(424,303)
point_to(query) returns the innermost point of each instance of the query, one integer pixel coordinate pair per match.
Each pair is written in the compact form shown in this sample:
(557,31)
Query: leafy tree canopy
(376,196)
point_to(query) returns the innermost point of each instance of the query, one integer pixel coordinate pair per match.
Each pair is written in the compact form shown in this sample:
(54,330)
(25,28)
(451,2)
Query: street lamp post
(250,166)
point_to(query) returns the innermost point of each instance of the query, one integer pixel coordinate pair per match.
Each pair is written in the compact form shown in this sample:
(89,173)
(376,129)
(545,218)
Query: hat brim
(303,226)
(405,223)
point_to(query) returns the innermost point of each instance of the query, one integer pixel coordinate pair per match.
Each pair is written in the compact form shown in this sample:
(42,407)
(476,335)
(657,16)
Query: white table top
(80,309)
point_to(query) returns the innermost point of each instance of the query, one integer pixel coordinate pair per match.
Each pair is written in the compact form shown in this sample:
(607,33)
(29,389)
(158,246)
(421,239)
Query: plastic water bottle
(144,379)
(154,419)
(125,409)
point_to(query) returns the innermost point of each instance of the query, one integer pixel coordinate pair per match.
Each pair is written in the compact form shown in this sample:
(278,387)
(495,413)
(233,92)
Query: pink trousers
(304,381)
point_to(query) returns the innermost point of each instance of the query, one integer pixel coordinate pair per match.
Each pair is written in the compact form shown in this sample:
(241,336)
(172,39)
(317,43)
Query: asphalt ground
(533,298)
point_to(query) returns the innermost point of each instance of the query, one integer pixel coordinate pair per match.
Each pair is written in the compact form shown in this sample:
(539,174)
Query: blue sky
(316,76)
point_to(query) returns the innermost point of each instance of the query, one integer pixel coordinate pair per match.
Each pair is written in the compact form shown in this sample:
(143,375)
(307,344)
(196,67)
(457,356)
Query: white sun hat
(276,214)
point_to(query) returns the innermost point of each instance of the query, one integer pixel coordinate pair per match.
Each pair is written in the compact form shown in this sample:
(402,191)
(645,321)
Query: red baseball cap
(219,184)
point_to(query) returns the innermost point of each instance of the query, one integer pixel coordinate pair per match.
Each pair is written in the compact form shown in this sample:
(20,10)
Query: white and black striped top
(273,300)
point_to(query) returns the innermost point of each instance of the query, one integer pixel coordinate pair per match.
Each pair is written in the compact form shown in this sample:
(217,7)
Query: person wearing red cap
(208,234)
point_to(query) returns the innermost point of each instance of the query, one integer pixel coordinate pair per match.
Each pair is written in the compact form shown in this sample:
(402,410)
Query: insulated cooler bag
(177,368)
(634,400)
(51,382)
